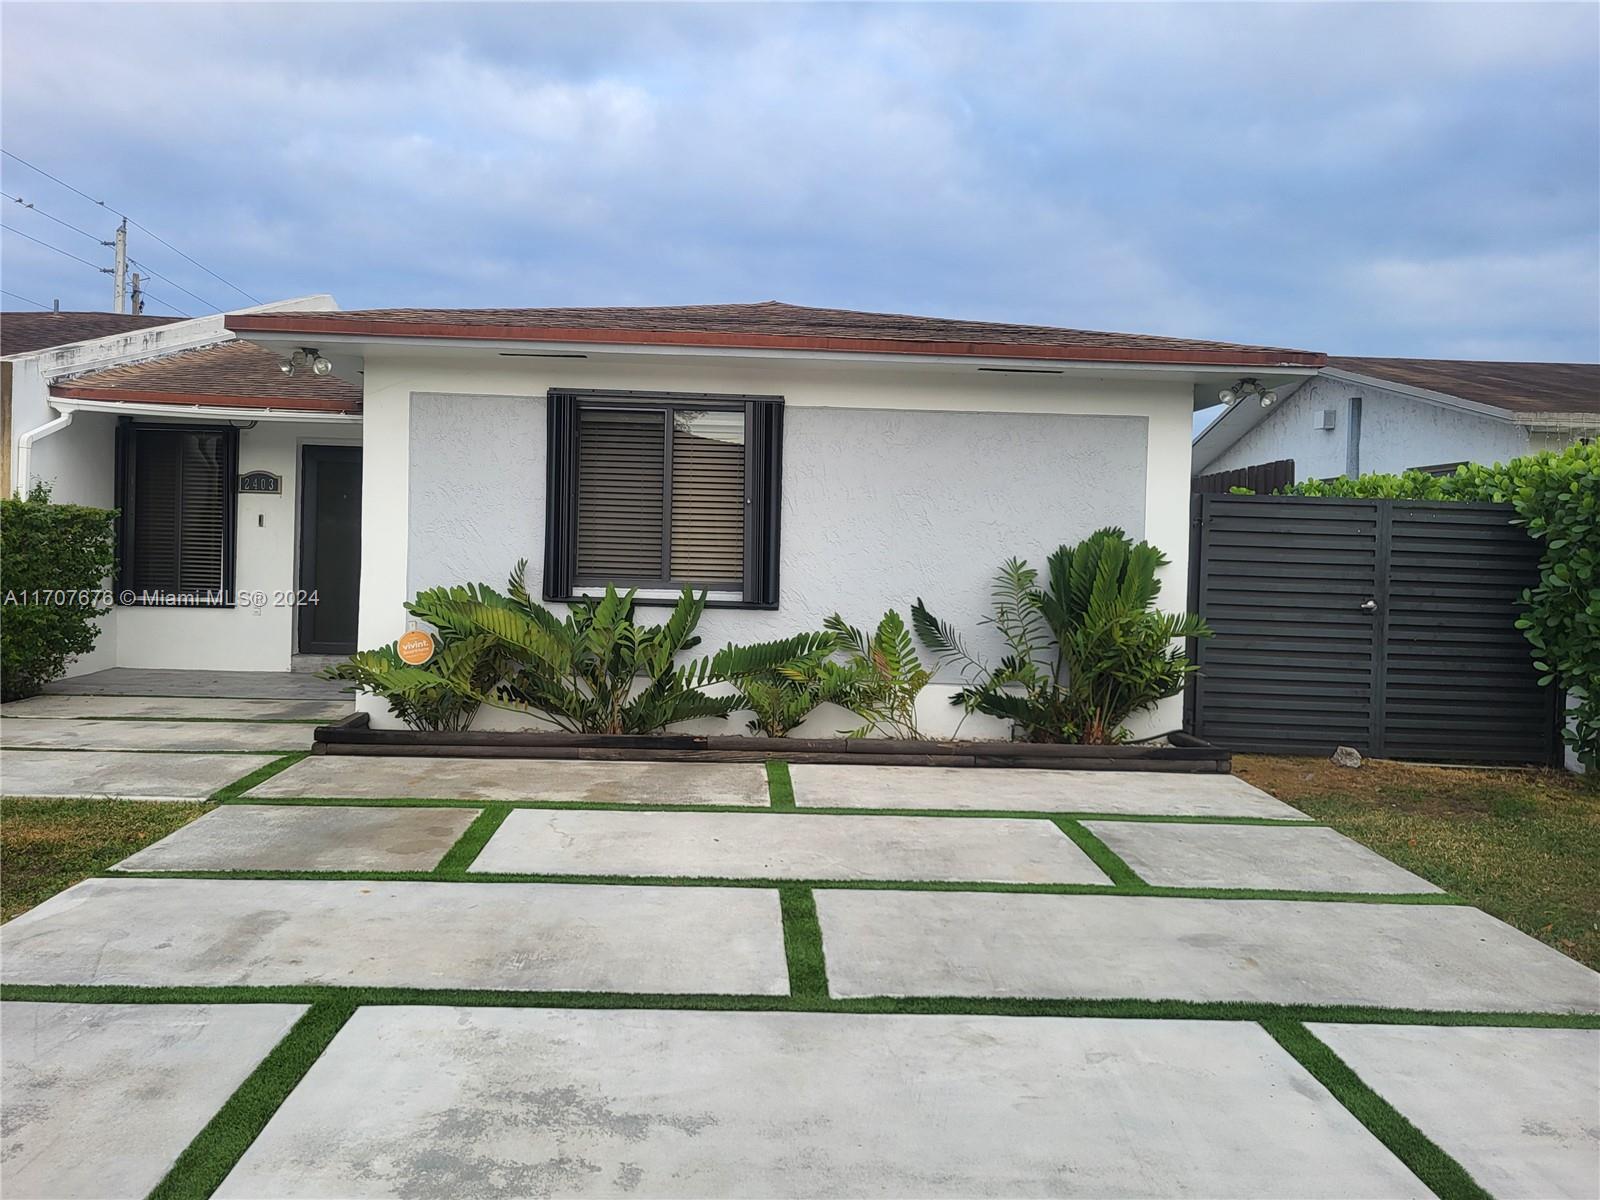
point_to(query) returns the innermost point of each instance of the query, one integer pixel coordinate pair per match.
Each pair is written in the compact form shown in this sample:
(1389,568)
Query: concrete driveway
(442,978)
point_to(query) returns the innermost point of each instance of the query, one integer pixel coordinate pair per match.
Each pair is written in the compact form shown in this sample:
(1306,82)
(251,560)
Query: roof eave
(202,400)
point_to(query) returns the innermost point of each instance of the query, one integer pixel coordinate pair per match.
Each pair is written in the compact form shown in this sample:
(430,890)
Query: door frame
(305,571)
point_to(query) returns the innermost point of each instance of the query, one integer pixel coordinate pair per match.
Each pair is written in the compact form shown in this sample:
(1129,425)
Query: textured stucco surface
(880,506)
(1397,432)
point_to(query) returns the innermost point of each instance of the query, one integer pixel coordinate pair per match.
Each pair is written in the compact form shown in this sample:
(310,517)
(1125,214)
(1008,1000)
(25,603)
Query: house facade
(793,462)
(213,455)
(1387,415)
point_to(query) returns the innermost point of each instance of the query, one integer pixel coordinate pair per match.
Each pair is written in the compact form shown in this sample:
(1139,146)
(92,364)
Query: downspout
(25,449)
(1352,446)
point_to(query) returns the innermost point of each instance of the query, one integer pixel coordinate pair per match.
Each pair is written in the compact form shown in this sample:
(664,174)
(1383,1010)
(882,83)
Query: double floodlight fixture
(1246,388)
(306,356)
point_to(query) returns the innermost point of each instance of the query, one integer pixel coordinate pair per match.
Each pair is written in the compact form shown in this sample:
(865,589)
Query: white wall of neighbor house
(1398,432)
(899,481)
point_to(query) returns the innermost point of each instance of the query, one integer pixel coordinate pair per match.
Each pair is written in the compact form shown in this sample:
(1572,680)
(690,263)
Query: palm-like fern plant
(596,670)
(1086,651)
(884,676)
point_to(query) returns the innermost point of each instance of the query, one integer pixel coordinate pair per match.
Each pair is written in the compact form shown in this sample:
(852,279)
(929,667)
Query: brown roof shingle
(1516,387)
(237,374)
(25,332)
(770,325)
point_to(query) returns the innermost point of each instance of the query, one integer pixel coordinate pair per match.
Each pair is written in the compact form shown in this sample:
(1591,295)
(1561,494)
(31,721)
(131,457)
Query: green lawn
(1523,845)
(48,845)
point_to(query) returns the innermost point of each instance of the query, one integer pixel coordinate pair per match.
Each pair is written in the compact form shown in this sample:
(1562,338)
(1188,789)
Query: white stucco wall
(898,480)
(1398,432)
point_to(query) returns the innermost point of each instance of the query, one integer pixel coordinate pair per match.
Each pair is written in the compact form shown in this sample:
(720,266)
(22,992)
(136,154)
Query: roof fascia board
(1443,399)
(209,411)
(910,355)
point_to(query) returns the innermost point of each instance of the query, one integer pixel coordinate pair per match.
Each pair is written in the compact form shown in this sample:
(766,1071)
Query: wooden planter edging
(353,735)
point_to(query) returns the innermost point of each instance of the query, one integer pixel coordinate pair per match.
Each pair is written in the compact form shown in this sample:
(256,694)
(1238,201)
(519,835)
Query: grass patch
(1102,855)
(1444,1176)
(476,836)
(47,844)
(232,791)
(779,786)
(203,1166)
(811,997)
(1522,845)
(802,944)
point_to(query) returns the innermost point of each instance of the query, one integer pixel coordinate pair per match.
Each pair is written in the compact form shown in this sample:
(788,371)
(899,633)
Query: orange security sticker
(415,648)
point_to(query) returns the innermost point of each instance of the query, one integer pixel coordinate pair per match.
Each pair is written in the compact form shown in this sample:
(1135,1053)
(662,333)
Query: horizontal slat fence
(1379,624)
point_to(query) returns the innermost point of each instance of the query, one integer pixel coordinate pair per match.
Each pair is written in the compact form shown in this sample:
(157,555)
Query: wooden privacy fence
(1386,625)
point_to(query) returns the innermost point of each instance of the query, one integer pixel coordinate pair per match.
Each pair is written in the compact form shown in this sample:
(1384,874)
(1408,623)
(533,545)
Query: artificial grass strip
(203,1166)
(456,873)
(767,809)
(779,786)
(230,793)
(802,944)
(472,841)
(1102,855)
(1447,1178)
(813,999)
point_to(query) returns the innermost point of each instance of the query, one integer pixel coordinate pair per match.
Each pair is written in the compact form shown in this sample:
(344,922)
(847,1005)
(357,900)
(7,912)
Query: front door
(330,548)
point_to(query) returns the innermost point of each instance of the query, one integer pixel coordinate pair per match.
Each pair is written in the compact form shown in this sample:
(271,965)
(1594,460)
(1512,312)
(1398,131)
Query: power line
(24,299)
(136,225)
(57,249)
(66,224)
(154,274)
(149,295)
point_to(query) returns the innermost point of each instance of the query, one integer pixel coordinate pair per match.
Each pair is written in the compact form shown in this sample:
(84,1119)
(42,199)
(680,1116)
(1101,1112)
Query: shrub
(1087,651)
(783,697)
(54,562)
(884,676)
(596,670)
(1557,499)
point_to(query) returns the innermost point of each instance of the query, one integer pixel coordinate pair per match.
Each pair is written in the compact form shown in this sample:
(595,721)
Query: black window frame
(128,431)
(763,492)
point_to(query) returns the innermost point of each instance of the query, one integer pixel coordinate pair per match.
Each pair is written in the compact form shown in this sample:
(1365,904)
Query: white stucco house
(1361,415)
(215,458)
(793,461)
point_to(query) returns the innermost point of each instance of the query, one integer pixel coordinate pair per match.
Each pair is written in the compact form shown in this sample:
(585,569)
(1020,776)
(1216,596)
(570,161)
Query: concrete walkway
(238,685)
(885,990)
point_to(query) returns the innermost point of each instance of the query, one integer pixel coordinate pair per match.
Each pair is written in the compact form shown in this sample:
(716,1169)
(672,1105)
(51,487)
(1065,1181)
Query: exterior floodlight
(286,367)
(321,366)
(1227,396)
(1268,399)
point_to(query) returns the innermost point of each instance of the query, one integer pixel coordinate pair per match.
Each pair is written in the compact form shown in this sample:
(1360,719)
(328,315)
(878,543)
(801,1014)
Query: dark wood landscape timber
(354,735)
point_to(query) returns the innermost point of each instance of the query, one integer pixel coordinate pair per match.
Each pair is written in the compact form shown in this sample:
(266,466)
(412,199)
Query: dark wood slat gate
(1386,625)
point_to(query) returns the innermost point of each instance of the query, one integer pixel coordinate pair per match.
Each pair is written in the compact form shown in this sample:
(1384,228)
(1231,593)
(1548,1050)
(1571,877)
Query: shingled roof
(25,332)
(229,374)
(1515,387)
(769,325)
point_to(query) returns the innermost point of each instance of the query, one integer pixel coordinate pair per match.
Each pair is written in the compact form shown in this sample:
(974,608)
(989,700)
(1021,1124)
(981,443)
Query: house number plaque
(261,483)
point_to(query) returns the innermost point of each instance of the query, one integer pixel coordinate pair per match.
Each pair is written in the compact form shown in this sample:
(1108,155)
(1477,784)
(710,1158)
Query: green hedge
(54,560)
(1557,498)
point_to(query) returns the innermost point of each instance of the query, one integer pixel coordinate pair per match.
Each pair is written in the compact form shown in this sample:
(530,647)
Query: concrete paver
(1518,1108)
(784,846)
(885,943)
(126,774)
(977,789)
(1295,857)
(438,1102)
(536,937)
(299,837)
(100,1099)
(49,733)
(177,708)
(243,685)
(363,777)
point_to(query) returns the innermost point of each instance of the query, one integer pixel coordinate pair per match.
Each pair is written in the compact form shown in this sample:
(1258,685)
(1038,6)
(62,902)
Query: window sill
(661,601)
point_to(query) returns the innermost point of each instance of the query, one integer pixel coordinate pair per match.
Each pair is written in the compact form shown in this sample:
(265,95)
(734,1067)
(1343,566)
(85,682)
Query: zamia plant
(1086,651)
(596,670)
(884,676)
(429,697)
(783,697)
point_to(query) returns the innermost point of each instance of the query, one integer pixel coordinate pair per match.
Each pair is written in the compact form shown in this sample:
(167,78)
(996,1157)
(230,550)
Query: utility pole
(119,273)
(138,296)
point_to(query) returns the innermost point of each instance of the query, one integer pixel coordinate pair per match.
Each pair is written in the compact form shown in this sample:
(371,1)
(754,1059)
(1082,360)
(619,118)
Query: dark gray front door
(330,547)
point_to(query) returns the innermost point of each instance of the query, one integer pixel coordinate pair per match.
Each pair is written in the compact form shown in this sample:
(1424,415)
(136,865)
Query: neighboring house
(162,418)
(793,461)
(1361,415)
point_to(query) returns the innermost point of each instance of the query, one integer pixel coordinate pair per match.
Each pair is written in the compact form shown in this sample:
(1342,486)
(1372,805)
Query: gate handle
(1369,606)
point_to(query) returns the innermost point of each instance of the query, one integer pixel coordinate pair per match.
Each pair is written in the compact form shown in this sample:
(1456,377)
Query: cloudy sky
(1402,180)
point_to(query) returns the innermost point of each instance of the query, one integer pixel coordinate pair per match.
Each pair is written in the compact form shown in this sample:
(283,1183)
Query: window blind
(176,497)
(621,482)
(708,498)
